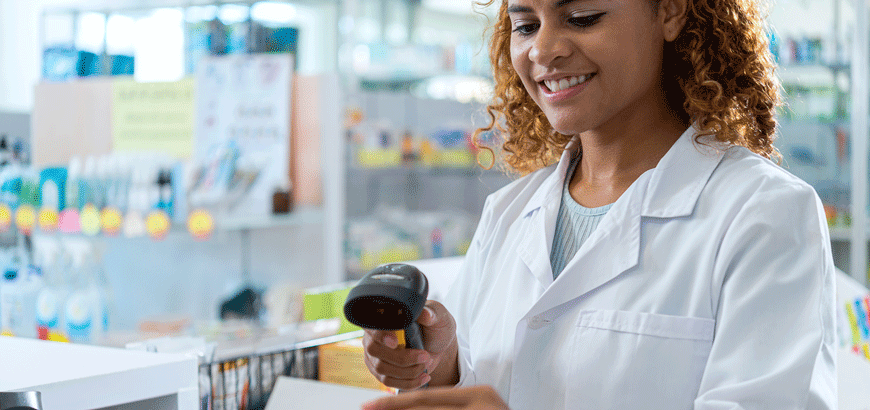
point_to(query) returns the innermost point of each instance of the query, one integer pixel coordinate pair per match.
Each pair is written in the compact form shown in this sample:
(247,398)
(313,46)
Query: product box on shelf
(343,363)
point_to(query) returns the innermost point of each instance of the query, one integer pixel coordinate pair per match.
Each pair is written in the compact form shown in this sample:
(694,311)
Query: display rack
(245,380)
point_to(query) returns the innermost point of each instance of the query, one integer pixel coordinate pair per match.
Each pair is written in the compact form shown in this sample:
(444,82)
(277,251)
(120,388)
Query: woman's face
(587,63)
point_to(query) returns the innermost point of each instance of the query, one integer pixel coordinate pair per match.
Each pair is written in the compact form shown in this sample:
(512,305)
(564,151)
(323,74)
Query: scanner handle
(411,338)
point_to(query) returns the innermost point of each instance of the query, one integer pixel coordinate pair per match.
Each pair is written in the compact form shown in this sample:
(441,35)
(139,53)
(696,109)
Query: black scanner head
(390,297)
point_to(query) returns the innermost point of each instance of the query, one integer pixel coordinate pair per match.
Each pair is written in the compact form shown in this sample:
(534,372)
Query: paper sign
(153,116)
(301,394)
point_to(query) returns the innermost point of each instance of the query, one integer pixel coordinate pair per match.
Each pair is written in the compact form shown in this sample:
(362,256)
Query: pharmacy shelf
(819,75)
(273,345)
(79,377)
(299,217)
(841,234)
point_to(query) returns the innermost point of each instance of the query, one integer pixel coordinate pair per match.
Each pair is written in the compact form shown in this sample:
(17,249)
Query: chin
(566,129)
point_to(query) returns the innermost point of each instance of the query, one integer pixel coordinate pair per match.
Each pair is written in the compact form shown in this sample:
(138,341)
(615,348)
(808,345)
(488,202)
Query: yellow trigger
(400,335)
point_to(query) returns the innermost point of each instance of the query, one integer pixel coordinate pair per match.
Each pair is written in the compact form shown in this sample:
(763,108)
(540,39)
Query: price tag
(48,219)
(157,224)
(200,224)
(69,221)
(25,218)
(5,218)
(90,220)
(111,221)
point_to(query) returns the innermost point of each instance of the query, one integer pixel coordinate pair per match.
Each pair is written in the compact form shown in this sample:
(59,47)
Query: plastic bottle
(50,301)
(11,303)
(100,292)
(74,195)
(31,283)
(79,313)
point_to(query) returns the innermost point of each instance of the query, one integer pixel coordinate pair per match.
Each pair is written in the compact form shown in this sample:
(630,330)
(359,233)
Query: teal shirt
(574,224)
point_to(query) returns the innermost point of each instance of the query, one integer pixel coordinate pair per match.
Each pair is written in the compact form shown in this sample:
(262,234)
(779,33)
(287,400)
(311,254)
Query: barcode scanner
(390,297)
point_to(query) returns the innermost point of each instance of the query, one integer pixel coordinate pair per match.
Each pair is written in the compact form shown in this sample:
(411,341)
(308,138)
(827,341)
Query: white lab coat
(709,284)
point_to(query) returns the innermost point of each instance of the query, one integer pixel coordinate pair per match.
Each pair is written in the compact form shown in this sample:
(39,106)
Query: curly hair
(718,74)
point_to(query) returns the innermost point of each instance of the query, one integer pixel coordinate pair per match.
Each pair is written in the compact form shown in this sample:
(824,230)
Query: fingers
(399,368)
(385,338)
(432,313)
(375,347)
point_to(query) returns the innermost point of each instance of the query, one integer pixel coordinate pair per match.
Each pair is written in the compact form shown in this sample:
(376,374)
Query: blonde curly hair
(718,74)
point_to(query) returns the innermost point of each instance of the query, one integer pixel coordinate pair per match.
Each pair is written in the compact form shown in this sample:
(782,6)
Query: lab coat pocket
(638,360)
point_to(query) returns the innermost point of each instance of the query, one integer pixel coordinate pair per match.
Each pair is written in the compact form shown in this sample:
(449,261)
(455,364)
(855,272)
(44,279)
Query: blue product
(89,64)
(59,63)
(10,191)
(450,138)
(57,176)
(284,40)
(122,65)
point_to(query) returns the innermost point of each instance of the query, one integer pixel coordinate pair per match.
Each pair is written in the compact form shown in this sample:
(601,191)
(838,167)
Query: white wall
(19,53)
(21,48)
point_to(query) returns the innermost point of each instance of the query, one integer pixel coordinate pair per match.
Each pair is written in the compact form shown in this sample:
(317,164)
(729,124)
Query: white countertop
(72,376)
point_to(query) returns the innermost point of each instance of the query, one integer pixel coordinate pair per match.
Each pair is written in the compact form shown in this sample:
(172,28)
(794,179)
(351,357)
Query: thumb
(428,317)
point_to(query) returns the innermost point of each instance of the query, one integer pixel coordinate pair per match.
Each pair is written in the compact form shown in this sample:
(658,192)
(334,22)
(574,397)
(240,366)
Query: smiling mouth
(555,86)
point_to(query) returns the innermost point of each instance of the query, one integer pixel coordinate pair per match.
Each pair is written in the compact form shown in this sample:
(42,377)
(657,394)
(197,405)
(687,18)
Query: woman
(664,262)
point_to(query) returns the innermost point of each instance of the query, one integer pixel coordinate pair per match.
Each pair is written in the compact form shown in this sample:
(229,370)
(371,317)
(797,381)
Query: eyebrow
(524,9)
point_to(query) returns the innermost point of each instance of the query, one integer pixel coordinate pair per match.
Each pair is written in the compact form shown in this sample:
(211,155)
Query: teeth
(564,83)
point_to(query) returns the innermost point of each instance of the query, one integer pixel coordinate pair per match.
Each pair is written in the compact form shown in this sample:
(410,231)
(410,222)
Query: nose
(549,45)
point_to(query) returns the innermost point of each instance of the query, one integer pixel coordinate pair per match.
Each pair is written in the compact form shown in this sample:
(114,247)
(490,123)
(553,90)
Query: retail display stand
(73,376)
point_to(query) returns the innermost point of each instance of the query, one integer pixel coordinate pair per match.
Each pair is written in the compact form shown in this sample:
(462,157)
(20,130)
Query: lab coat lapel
(668,191)
(539,215)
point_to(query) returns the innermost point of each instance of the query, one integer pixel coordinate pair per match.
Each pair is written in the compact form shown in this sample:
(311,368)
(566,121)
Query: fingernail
(391,343)
(427,379)
(431,312)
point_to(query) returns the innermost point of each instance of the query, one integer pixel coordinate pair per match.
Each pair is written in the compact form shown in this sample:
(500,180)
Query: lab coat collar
(552,185)
(670,190)
(680,176)
(675,186)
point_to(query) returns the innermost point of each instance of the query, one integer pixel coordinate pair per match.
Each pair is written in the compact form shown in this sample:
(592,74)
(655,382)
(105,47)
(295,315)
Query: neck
(617,153)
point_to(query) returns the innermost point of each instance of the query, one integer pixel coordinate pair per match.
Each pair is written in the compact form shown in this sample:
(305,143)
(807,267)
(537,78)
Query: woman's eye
(585,21)
(525,29)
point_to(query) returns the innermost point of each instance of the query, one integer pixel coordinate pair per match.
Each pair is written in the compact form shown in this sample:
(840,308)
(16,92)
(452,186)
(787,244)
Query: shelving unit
(838,74)
(79,377)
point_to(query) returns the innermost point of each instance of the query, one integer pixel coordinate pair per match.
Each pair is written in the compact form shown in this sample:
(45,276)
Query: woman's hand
(409,369)
(476,397)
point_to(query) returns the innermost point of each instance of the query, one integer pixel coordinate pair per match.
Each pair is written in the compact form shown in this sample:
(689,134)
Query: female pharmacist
(708,280)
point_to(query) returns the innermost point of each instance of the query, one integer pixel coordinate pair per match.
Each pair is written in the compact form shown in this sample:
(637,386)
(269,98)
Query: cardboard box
(343,363)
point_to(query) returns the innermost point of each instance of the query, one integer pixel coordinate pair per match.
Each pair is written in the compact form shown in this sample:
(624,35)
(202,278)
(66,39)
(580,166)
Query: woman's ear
(672,14)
